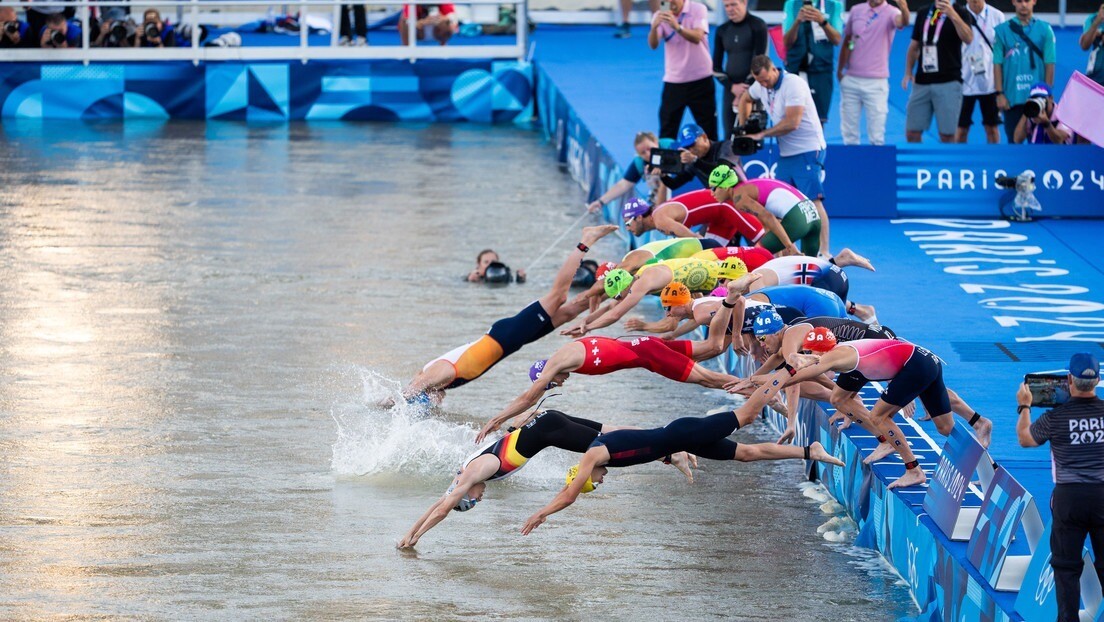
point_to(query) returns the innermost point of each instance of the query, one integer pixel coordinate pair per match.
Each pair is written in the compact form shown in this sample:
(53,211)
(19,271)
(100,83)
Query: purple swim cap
(634,208)
(536,369)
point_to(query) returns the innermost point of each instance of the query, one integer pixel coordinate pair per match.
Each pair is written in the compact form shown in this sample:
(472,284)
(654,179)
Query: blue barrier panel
(947,489)
(998,521)
(383,90)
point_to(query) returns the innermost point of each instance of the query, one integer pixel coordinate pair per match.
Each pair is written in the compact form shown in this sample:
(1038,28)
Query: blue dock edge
(943,575)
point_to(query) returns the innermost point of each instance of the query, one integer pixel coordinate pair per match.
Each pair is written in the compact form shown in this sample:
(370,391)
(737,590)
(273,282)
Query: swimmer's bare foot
(743,284)
(912,477)
(909,410)
(683,461)
(984,430)
(387,402)
(881,451)
(848,257)
(818,453)
(593,234)
(838,416)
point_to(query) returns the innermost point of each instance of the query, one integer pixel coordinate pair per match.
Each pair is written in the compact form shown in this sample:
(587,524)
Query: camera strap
(1017,28)
(974,22)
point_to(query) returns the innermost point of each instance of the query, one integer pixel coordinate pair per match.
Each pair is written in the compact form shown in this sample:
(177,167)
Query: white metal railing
(304,52)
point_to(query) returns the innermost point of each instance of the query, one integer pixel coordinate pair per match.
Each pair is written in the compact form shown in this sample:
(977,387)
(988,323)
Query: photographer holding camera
(13,33)
(699,155)
(117,30)
(1076,434)
(60,33)
(1036,126)
(1023,55)
(638,169)
(154,32)
(795,124)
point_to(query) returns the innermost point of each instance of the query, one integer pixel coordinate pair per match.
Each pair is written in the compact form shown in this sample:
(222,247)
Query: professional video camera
(1021,199)
(742,142)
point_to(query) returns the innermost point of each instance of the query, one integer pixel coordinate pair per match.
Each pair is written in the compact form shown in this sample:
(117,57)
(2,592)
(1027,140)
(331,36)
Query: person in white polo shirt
(796,124)
(977,73)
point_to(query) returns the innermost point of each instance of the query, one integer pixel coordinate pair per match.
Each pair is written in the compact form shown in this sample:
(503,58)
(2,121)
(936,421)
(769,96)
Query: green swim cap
(723,177)
(617,281)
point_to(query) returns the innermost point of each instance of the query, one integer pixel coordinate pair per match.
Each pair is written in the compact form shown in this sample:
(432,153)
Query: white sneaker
(361,42)
(343,41)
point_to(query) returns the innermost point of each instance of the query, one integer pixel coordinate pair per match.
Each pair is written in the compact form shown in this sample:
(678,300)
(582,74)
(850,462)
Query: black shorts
(834,280)
(921,376)
(990,114)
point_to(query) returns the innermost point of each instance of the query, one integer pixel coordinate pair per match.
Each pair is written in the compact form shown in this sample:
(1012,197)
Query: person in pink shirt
(864,62)
(683,29)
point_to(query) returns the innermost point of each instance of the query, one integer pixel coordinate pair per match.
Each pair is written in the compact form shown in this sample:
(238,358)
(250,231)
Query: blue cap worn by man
(1084,366)
(687,135)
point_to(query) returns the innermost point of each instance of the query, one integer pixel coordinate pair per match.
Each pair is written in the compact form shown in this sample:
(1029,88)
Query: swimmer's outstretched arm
(594,456)
(477,471)
(566,359)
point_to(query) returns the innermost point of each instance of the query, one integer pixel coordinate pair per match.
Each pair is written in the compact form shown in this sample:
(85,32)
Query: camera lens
(12,27)
(118,31)
(151,31)
(57,38)
(1032,108)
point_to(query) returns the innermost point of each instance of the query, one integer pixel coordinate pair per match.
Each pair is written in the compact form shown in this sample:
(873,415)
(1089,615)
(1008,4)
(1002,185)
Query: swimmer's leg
(753,452)
(431,380)
(848,257)
(982,426)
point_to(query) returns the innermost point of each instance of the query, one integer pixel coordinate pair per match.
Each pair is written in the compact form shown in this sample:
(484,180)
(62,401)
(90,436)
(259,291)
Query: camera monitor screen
(1047,389)
(666,160)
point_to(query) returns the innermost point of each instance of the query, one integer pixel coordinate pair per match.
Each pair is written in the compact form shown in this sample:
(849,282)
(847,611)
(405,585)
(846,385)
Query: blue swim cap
(768,323)
(687,134)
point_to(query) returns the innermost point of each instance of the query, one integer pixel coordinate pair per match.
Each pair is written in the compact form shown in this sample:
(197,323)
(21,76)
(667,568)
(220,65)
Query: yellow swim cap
(732,268)
(574,471)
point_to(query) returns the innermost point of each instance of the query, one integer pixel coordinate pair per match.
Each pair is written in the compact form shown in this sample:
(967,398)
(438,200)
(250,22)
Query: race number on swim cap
(674,295)
(732,268)
(616,281)
(535,370)
(723,177)
(820,339)
(634,208)
(767,323)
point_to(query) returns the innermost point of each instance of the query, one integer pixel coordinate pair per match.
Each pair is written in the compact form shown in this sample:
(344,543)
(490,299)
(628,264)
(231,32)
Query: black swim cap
(497,272)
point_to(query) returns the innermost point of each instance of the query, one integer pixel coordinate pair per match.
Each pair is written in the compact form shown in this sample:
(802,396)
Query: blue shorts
(802,171)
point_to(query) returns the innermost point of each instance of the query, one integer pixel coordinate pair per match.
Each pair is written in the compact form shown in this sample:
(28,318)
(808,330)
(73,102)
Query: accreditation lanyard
(938,18)
(674,32)
(771,93)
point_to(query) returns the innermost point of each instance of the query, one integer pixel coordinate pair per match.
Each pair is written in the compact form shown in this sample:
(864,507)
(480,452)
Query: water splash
(413,439)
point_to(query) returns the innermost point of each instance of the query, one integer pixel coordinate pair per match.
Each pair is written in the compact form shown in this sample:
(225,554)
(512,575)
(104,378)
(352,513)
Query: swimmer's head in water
(732,268)
(723,177)
(572,473)
(675,294)
(819,340)
(616,282)
(767,323)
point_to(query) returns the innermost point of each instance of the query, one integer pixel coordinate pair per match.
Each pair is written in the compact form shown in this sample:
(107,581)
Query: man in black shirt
(1076,434)
(742,37)
(937,39)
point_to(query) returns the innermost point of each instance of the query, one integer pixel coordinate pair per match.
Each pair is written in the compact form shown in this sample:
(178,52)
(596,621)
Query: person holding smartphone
(1076,434)
(682,26)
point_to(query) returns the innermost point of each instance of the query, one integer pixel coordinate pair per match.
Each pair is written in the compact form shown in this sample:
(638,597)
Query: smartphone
(665,5)
(1047,389)
(666,160)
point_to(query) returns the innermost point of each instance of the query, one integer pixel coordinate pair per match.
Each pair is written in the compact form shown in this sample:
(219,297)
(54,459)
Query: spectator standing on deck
(359,22)
(623,31)
(1092,39)
(801,145)
(687,67)
(864,62)
(1077,455)
(977,72)
(813,30)
(741,38)
(1023,56)
(937,39)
